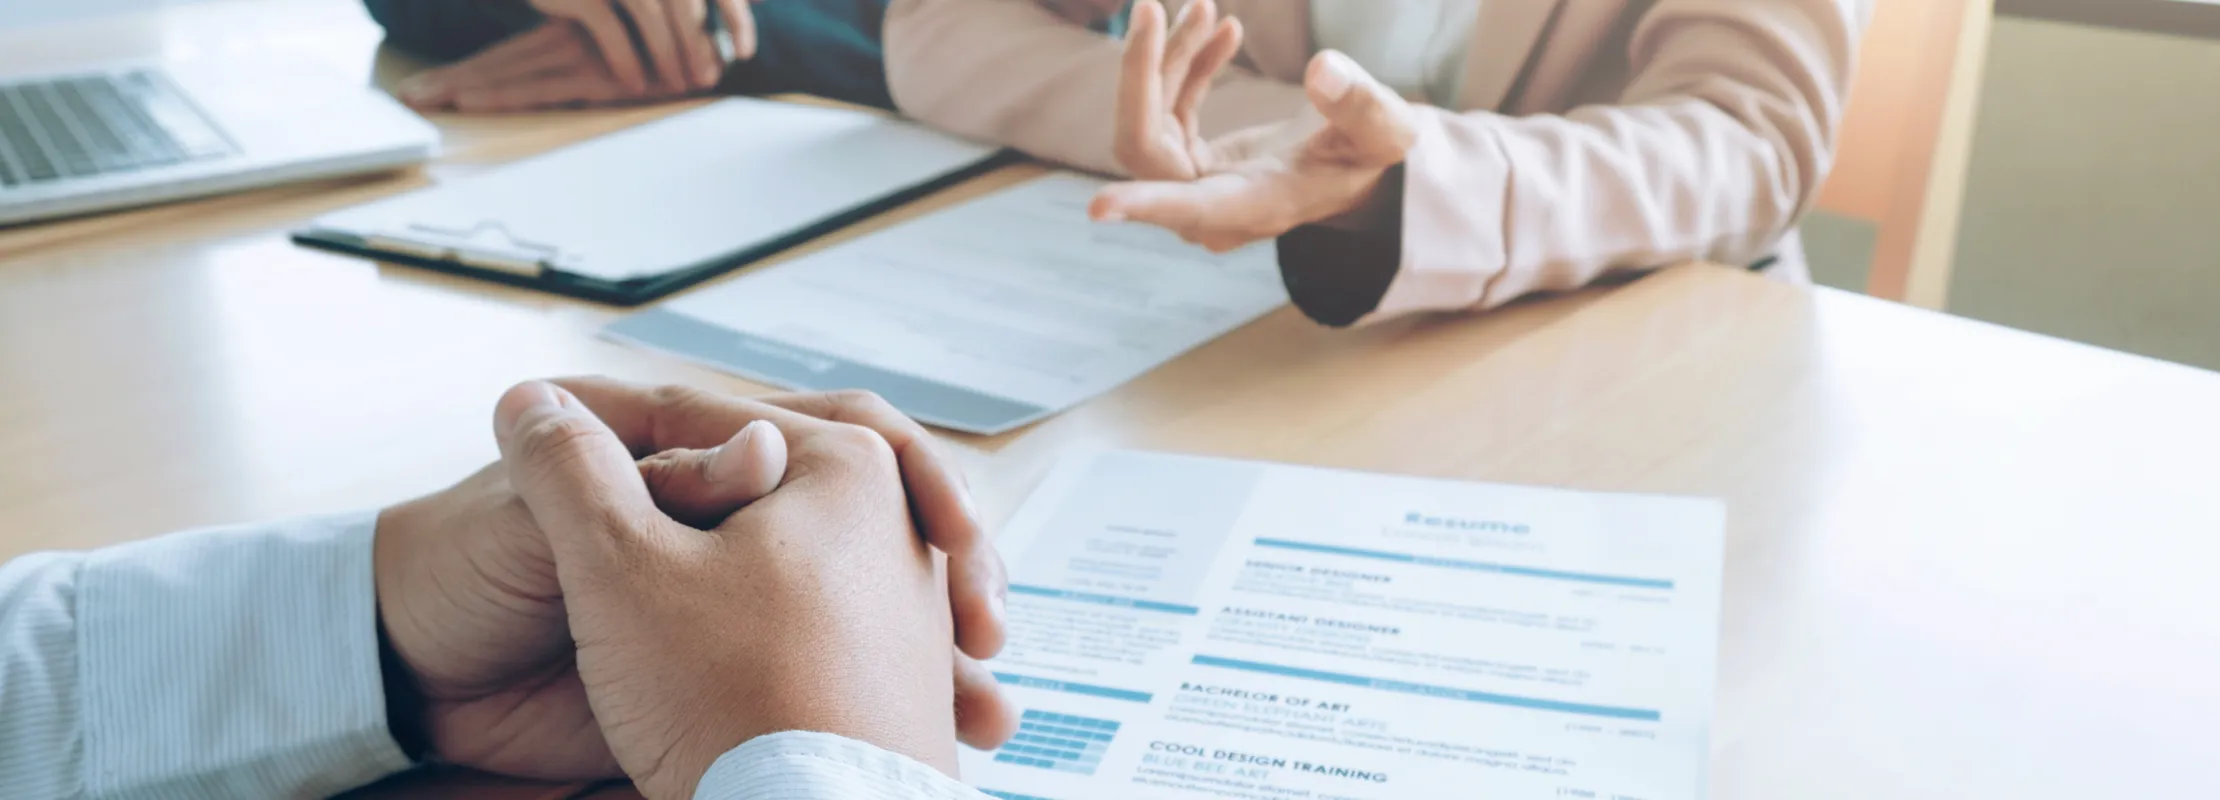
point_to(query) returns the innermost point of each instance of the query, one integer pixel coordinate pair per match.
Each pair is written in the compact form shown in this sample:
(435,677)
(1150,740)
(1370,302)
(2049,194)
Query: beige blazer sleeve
(1715,148)
(1011,72)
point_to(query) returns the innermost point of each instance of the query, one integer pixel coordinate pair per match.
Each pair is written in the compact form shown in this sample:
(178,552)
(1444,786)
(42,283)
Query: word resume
(980,317)
(1194,627)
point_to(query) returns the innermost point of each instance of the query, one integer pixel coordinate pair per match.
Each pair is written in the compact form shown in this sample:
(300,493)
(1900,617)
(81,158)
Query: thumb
(703,487)
(574,475)
(1370,124)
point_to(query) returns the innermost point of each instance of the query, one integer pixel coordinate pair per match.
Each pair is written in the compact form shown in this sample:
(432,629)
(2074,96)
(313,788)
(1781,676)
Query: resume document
(1191,627)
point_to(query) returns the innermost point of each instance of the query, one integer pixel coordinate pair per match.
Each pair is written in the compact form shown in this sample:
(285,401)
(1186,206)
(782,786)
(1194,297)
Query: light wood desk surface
(1963,561)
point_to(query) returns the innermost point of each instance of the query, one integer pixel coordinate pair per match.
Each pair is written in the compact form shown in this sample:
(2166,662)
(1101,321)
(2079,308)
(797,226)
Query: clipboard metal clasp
(486,245)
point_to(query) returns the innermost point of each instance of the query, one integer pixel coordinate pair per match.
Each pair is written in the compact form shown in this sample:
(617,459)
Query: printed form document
(980,317)
(1190,627)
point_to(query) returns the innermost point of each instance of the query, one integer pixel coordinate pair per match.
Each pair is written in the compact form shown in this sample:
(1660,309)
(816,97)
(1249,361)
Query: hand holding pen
(596,52)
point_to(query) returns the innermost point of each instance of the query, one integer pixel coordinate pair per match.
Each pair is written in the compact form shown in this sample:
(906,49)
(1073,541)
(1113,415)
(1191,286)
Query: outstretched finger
(1218,201)
(1139,136)
(1190,32)
(1221,212)
(1223,45)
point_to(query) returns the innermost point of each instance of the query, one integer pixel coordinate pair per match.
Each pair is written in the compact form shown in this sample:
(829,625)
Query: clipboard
(639,214)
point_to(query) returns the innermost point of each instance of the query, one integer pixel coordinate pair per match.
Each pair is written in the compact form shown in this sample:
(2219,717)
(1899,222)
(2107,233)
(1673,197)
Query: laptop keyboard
(79,126)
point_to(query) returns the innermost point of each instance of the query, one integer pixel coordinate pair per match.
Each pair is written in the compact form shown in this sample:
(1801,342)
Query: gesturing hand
(468,592)
(1251,184)
(815,608)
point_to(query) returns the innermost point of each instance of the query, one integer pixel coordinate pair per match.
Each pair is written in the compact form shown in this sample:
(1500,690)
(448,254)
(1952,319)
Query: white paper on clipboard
(668,195)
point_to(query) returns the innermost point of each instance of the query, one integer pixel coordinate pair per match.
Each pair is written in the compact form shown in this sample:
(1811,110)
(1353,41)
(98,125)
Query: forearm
(220,663)
(1713,152)
(1012,72)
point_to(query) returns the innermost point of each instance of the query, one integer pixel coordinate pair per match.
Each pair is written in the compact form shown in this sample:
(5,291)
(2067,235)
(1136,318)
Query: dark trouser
(828,48)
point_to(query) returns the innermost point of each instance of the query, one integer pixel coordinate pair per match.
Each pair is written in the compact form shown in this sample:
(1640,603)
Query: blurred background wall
(2088,190)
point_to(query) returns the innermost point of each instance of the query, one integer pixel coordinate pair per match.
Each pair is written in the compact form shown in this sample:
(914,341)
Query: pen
(720,34)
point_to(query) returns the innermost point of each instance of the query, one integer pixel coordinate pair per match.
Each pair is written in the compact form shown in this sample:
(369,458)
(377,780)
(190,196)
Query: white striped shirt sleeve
(243,663)
(801,765)
(222,663)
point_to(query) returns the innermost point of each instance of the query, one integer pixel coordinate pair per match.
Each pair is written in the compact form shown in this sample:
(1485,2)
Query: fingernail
(538,394)
(998,605)
(719,458)
(1338,75)
(531,398)
(1103,209)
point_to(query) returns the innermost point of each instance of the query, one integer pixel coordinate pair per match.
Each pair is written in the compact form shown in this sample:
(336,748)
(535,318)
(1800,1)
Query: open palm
(1251,184)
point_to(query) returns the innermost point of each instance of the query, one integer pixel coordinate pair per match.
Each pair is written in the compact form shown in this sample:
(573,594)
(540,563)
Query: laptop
(129,134)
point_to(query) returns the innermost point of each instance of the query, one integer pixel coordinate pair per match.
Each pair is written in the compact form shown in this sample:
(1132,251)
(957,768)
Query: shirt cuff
(234,662)
(1338,273)
(804,765)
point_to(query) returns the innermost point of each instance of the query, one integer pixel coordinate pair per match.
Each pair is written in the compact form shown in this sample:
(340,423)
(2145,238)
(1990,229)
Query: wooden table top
(1962,561)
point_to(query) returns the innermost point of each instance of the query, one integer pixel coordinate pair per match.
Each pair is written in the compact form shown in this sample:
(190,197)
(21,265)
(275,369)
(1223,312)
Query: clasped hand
(585,54)
(1255,183)
(651,577)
